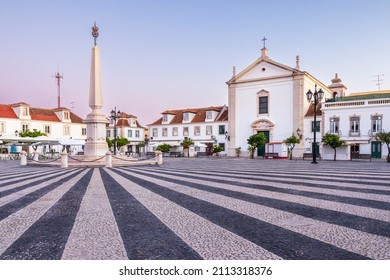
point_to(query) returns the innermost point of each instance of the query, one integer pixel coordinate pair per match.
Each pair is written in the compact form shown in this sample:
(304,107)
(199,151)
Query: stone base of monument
(92,161)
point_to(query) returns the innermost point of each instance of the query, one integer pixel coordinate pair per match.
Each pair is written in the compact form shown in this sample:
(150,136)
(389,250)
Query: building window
(209,130)
(354,125)
(154,132)
(165,118)
(376,124)
(165,132)
(83,131)
(24,111)
(197,130)
(129,133)
(175,131)
(186,117)
(2,127)
(137,133)
(108,133)
(25,127)
(46,128)
(334,125)
(221,129)
(209,115)
(66,115)
(185,131)
(317,126)
(67,130)
(263,105)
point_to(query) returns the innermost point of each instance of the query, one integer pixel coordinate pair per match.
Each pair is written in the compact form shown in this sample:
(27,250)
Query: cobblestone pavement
(197,209)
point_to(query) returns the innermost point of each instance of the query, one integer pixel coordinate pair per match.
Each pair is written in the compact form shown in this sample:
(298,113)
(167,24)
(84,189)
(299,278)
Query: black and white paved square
(197,209)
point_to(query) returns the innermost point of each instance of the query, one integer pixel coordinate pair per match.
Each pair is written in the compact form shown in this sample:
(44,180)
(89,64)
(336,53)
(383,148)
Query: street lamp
(317,98)
(114,115)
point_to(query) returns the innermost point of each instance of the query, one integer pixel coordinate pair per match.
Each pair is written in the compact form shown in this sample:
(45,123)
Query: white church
(270,97)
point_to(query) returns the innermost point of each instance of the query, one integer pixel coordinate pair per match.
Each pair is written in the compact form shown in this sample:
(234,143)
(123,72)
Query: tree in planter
(238,151)
(110,142)
(384,137)
(291,142)
(164,148)
(333,141)
(141,145)
(217,149)
(120,142)
(34,133)
(254,141)
(186,143)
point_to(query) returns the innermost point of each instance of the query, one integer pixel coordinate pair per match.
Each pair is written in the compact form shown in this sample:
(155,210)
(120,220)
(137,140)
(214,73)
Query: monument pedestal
(96,144)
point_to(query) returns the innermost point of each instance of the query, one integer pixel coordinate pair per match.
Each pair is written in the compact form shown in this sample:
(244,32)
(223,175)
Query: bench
(361,156)
(201,154)
(310,155)
(175,154)
(271,155)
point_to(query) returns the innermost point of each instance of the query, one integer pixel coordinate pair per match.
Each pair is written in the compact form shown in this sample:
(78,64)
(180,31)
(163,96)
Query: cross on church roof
(264,39)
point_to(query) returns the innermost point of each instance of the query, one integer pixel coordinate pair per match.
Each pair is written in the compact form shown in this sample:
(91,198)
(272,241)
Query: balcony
(354,133)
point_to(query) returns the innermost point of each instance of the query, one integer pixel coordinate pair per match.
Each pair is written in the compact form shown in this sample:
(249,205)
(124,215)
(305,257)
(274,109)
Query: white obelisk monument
(96,144)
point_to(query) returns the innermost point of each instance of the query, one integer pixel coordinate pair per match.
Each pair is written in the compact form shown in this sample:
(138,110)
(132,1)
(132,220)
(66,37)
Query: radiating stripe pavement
(197,209)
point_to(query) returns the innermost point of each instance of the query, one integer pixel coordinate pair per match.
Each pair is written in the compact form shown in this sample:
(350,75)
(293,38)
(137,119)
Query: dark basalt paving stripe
(16,205)
(329,216)
(304,184)
(29,185)
(47,237)
(27,176)
(280,241)
(144,235)
(274,178)
(323,196)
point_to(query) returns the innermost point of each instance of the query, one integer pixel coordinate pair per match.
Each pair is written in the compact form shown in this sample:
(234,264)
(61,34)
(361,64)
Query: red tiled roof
(200,115)
(39,114)
(223,117)
(6,111)
(127,116)
(310,111)
(122,122)
(75,119)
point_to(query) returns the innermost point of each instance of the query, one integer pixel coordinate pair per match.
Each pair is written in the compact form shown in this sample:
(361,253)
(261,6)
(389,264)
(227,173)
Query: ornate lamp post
(317,98)
(114,115)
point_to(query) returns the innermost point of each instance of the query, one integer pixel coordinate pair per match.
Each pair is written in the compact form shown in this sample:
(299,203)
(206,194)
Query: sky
(158,55)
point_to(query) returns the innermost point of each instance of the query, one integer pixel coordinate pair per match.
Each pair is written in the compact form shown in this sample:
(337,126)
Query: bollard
(64,160)
(36,156)
(159,157)
(23,158)
(108,159)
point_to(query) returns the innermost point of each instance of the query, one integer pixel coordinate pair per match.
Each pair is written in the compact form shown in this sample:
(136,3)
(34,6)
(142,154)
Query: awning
(72,142)
(349,142)
(198,144)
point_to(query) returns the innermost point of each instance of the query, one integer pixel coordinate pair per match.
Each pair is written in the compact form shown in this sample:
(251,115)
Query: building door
(261,149)
(355,150)
(376,149)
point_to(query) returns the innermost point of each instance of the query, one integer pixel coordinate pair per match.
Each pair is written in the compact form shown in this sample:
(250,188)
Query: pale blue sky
(159,55)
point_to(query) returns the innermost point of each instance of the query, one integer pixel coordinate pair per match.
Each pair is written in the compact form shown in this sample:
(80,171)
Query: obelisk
(96,144)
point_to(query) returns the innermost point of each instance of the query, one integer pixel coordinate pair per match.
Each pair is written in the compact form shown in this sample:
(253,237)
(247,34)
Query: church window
(263,105)
(67,130)
(108,133)
(25,127)
(66,115)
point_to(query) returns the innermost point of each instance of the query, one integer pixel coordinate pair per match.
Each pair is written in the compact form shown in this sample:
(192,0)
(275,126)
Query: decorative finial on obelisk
(95,32)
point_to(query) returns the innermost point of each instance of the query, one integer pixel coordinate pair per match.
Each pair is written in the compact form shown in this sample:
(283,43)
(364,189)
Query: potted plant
(238,151)
(217,149)
(186,143)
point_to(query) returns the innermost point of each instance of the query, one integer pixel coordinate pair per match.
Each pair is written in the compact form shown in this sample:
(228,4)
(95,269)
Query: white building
(270,97)
(205,126)
(357,118)
(128,127)
(59,123)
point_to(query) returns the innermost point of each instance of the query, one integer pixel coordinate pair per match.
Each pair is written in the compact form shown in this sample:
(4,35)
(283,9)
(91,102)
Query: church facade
(270,97)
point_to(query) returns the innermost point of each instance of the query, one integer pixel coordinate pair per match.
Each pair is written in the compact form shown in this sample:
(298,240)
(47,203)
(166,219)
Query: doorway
(261,149)
(376,149)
